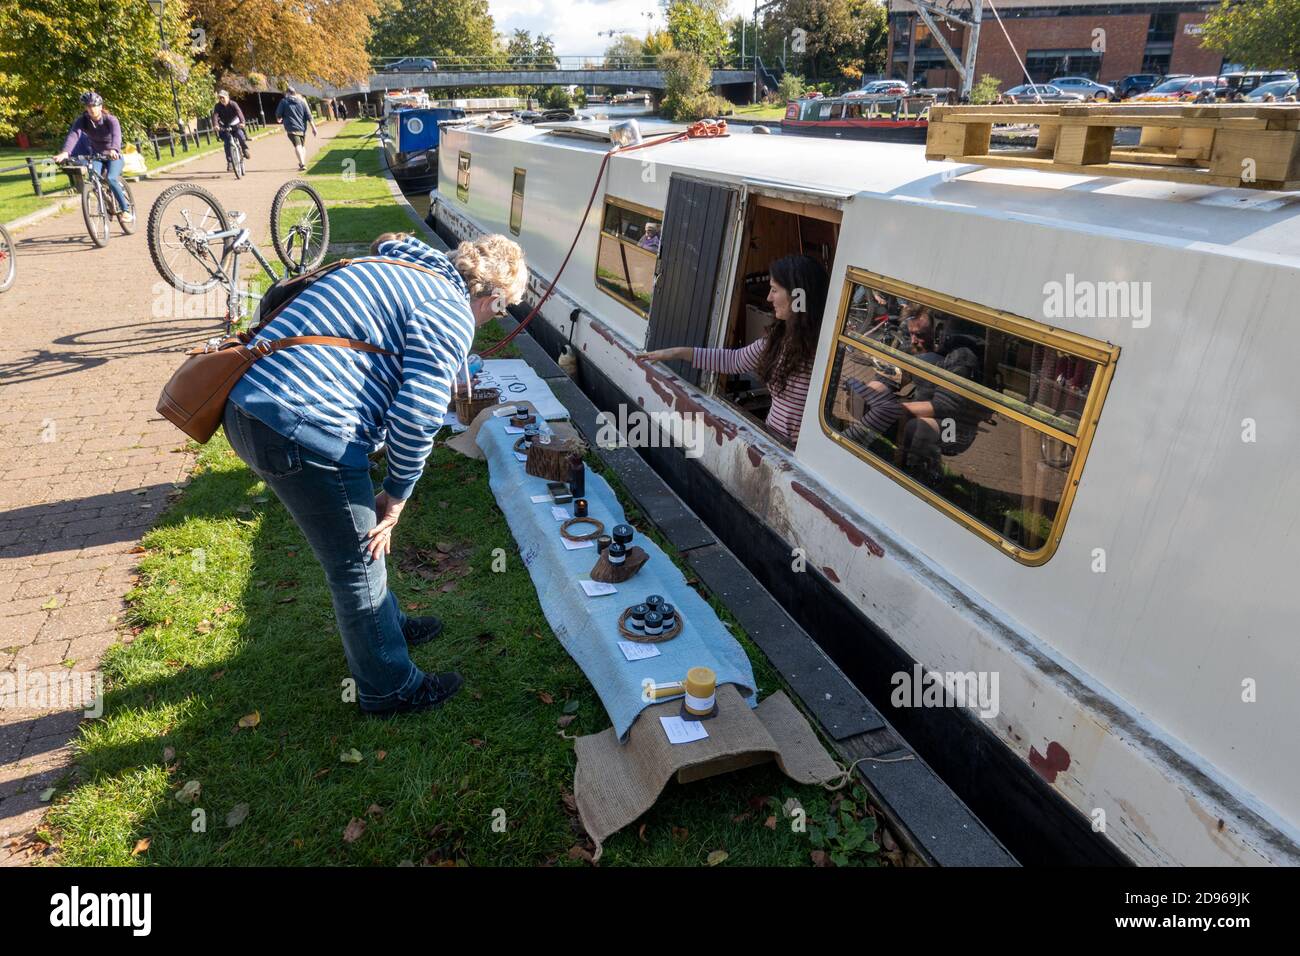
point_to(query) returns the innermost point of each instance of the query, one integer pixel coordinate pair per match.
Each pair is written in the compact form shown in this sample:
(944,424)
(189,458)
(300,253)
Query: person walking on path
(97,132)
(295,117)
(305,419)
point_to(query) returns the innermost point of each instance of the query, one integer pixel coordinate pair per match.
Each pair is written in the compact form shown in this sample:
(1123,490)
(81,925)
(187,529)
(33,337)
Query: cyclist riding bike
(228,114)
(97,132)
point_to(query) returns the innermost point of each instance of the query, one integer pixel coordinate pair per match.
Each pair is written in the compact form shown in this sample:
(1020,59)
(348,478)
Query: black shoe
(435,689)
(248,153)
(421,630)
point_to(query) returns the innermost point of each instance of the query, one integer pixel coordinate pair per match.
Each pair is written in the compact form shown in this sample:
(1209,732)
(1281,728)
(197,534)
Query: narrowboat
(409,139)
(1105,526)
(889,118)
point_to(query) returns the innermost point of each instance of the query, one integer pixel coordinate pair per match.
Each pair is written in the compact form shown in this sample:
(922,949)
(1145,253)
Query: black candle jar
(579,507)
(622,533)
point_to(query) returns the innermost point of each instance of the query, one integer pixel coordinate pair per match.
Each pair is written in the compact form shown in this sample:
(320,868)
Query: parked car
(1136,83)
(1277,89)
(882,88)
(1090,89)
(411,64)
(1238,86)
(1041,93)
(1181,89)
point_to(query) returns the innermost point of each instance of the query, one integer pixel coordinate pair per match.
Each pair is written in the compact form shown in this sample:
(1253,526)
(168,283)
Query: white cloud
(577,25)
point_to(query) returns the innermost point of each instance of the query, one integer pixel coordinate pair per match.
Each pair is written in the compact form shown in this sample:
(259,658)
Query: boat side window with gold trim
(629,246)
(986,415)
(462,177)
(517,201)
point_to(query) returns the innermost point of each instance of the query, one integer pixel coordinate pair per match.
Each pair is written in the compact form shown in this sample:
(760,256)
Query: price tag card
(559,514)
(683,731)
(637,652)
(597,588)
(512,430)
(577,545)
(540,499)
(520,456)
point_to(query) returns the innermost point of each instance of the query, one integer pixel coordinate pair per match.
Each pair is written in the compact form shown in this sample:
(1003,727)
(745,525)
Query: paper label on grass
(597,588)
(559,514)
(577,545)
(683,731)
(540,499)
(637,652)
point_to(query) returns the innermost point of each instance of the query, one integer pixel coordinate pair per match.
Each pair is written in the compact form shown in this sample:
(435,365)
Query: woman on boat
(782,359)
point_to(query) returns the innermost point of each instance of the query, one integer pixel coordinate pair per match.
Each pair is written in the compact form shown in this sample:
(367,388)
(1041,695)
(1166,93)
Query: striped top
(786,412)
(341,403)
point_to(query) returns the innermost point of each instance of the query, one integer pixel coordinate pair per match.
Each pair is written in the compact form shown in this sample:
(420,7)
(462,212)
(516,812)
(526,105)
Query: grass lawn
(18,199)
(760,111)
(233,680)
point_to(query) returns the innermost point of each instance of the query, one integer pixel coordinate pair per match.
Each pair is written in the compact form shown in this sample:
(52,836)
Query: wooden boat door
(699,226)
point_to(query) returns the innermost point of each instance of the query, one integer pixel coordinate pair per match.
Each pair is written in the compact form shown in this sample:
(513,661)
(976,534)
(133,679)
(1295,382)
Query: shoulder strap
(266,348)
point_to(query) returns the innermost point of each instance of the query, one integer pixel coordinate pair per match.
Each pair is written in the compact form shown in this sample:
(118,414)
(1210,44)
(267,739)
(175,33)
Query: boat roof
(1257,224)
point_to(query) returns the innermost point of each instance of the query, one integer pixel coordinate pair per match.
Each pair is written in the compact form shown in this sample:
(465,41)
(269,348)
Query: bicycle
(8,260)
(234,150)
(98,202)
(196,244)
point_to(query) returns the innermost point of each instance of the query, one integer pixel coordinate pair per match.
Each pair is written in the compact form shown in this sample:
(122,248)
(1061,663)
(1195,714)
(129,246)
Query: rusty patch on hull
(851,531)
(755,455)
(1047,767)
(830,573)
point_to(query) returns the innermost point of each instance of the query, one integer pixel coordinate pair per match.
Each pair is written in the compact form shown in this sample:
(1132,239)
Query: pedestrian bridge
(635,74)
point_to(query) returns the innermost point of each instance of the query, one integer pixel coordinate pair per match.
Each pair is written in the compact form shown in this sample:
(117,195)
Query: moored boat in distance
(409,140)
(896,118)
(1087,525)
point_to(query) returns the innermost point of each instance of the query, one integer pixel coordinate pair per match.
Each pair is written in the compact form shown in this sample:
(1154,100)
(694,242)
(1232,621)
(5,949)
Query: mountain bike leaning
(196,244)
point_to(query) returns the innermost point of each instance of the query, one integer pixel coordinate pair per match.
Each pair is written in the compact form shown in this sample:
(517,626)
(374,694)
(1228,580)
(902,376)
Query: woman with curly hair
(782,359)
(306,419)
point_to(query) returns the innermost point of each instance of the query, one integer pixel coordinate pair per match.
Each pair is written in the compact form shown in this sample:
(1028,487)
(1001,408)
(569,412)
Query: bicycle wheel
(128,228)
(177,223)
(8,261)
(94,209)
(300,226)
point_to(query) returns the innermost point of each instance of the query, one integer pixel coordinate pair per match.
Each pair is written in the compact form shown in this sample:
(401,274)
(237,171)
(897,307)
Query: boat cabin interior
(774,228)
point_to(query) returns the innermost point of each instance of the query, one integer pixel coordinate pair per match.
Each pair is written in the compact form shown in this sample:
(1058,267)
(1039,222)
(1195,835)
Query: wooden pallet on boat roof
(1254,147)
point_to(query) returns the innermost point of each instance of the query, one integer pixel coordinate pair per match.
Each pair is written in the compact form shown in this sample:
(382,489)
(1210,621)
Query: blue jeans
(334,506)
(112,171)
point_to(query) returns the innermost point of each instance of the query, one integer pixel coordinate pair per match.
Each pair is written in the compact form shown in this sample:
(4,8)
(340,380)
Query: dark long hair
(792,344)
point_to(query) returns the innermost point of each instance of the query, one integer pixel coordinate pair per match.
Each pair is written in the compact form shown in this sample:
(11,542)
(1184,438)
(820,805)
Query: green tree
(986,90)
(627,50)
(1261,34)
(687,81)
(697,26)
(53,50)
(838,40)
(439,28)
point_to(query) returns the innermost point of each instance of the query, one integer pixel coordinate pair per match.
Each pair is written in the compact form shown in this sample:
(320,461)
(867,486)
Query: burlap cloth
(615,783)
(467,441)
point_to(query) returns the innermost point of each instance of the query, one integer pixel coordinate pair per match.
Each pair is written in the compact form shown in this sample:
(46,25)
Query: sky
(577,25)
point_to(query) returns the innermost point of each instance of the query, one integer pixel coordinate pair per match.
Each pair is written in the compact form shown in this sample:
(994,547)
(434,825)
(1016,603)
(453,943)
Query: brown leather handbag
(194,400)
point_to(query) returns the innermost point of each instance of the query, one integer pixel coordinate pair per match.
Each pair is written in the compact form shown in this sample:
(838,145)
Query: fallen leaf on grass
(138,549)
(680,834)
(580,853)
(571,706)
(169,754)
(475,743)
(353,831)
(443,547)
(50,605)
(217,675)
(570,801)
(286,600)
(237,815)
(47,794)
(374,810)
(740,818)
(203,627)
(818,857)
(717,856)
(221,609)
(770,822)
(449,587)
(640,834)
(566,720)
(141,846)
(350,756)
(250,720)
(381,754)
(545,698)
(190,792)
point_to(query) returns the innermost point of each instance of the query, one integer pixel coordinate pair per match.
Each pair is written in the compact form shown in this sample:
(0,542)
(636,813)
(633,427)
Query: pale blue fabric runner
(588,627)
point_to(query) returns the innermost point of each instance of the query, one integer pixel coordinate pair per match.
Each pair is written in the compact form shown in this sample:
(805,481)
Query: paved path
(88,337)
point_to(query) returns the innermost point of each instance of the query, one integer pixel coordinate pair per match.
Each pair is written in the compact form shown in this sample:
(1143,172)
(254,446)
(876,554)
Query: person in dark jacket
(227,113)
(97,132)
(295,116)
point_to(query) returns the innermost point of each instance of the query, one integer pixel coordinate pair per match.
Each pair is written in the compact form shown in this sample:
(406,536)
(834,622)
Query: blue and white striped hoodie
(340,403)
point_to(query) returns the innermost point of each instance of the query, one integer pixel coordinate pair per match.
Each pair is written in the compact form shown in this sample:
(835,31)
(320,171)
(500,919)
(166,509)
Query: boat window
(517,202)
(629,246)
(462,178)
(986,415)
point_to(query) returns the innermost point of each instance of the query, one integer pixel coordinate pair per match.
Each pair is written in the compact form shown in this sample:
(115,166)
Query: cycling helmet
(91,98)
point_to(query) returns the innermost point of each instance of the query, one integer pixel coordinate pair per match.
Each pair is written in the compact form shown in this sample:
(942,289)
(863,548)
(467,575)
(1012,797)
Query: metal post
(36,179)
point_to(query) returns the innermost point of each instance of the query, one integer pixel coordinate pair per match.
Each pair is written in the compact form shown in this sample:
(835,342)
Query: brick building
(1102,40)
